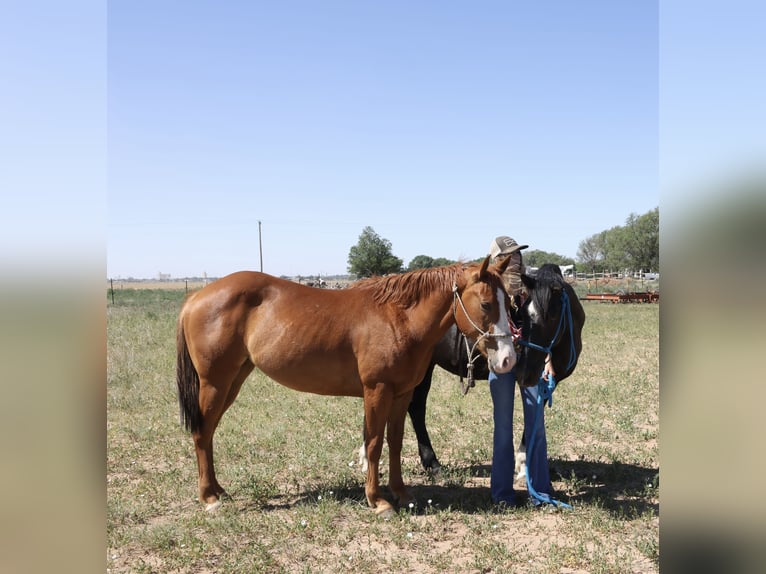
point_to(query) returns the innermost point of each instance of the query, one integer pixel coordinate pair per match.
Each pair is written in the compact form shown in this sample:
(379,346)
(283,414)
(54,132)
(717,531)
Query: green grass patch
(297,503)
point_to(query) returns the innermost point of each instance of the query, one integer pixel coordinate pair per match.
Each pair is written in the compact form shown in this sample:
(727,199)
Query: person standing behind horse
(502,388)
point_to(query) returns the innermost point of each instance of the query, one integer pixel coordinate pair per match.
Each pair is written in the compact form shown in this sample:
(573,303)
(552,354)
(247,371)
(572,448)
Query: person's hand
(548,368)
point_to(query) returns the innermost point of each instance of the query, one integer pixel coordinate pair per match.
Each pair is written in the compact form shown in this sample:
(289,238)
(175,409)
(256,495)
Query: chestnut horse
(374,341)
(543,321)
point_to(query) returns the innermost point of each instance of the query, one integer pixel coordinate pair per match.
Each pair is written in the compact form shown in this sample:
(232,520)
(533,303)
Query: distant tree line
(634,246)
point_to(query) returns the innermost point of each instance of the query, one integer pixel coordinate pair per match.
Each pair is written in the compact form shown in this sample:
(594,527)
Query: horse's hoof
(213,506)
(385,513)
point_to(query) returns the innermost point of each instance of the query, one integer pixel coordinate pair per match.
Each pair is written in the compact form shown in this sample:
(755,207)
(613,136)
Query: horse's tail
(187,379)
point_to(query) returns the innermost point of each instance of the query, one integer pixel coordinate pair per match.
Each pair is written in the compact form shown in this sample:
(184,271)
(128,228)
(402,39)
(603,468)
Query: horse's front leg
(395,436)
(377,405)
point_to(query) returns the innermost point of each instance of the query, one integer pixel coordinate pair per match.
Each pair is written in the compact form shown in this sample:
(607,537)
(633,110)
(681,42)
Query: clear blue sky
(441,125)
(439,129)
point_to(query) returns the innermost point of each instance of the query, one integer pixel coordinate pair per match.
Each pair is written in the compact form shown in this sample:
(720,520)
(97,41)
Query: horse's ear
(483,269)
(528,281)
(503,265)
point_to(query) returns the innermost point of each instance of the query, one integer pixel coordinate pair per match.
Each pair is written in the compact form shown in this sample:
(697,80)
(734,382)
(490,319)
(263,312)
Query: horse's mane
(406,289)
(547,276)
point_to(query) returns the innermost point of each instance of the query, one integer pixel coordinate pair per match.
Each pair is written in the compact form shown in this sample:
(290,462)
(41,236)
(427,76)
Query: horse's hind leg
(521,459)
(417,411)
(214,400)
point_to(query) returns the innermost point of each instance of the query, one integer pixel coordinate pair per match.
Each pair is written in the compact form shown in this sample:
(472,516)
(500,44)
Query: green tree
(642,241)
(536,258)
(421,262)
(372,255)
(590,254)
(426,262)
(442,261)
(634,246)
(615,256)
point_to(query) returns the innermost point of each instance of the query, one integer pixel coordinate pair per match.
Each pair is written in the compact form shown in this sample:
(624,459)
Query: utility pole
(260,245)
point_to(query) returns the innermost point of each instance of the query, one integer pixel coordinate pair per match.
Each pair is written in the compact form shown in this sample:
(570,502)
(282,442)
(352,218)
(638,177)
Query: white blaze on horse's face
(503,358)
(534,314)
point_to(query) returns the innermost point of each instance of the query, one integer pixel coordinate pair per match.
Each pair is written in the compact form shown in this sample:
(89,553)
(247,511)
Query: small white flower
(412,505)
(594,477)
(351,463)
(303,522)
(430,501)
(409,535)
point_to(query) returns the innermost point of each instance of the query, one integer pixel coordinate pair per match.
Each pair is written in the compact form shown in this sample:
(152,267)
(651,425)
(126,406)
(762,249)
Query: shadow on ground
(625,490)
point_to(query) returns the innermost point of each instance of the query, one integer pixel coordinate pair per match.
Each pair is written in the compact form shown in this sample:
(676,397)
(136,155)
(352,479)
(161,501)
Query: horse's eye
(487,307)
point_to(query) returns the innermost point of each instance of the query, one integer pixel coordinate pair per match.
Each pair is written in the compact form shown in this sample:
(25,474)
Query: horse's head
(547,326)
(482,313)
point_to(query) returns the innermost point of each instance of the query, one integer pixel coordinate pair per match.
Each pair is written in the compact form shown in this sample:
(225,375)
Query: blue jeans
(502,388)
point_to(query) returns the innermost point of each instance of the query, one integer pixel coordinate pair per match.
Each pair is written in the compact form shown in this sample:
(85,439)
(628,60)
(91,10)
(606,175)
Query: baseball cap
(504,245)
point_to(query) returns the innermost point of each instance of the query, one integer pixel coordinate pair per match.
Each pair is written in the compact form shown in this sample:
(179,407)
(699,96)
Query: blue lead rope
(545,393)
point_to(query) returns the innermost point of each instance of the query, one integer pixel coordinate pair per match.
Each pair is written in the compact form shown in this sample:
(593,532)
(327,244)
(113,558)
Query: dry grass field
(297,500)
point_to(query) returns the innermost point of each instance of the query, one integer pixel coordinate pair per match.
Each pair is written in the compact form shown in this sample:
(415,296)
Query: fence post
(111,288)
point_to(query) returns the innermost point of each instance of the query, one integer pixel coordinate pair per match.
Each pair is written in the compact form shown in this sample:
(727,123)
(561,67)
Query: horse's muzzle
(503,359)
